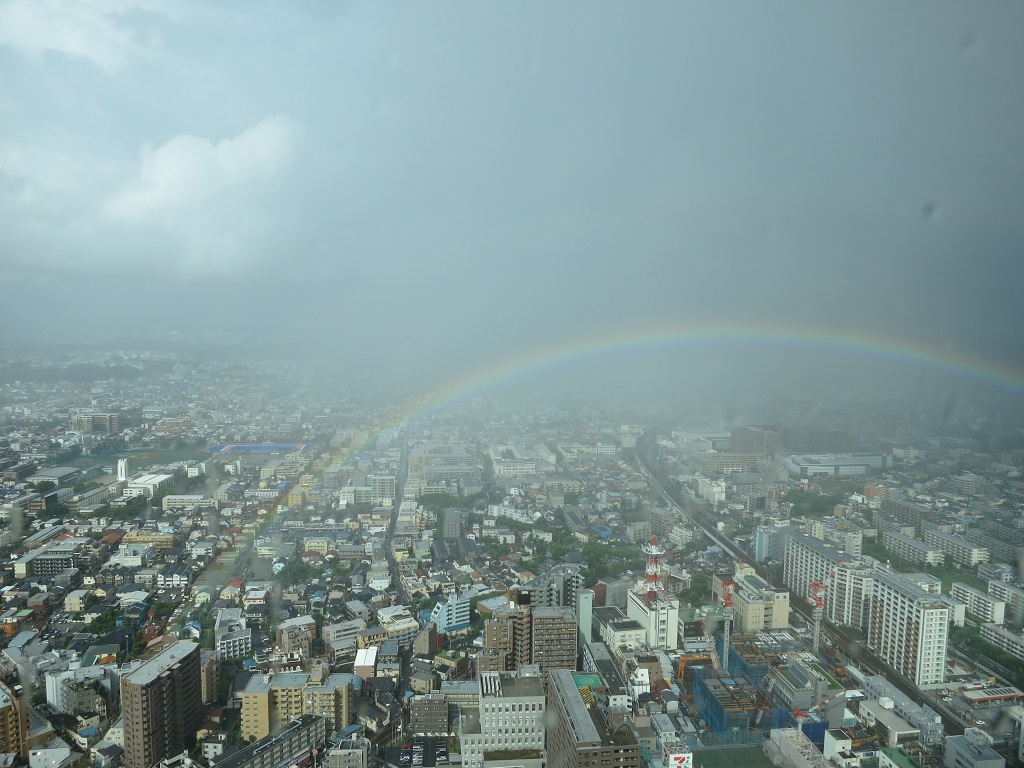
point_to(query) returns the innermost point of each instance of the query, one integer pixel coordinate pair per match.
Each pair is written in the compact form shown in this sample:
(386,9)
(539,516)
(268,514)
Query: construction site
(741,685)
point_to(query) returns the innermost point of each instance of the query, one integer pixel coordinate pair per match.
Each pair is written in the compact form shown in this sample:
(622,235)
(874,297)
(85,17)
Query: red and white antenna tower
(653,585)
(817,600)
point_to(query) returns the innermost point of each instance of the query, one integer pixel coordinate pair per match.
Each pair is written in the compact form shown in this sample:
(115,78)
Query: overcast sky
(466,180)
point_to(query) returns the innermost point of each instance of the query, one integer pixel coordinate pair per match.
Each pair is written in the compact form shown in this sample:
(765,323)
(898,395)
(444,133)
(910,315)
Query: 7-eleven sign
(674,757)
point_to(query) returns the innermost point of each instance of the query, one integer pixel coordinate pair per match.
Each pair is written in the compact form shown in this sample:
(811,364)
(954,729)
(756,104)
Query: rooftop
(149,670)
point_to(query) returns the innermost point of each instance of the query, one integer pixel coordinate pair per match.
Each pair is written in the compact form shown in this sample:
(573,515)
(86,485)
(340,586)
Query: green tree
(699,591)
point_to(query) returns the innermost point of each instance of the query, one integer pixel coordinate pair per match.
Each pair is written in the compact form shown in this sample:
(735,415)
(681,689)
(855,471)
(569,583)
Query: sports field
(258,448)
(142,459)
(740,757)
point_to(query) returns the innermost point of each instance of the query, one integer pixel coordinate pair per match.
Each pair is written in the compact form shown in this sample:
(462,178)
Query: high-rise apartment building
(556,587)
(103,423)
(382,487)
(162,705)
(770,542)
(906,512)
(553,639)
(848,598)
(808,559)
(507,643)
(13,723)
(908,628)
(585,615)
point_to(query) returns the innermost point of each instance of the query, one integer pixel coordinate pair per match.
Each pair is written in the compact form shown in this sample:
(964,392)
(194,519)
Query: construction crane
(710,642)
(764,701)
(822,706)
(800,715)
(727,586)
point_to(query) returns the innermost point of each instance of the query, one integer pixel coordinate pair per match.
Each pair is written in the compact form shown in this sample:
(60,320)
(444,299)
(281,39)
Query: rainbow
(904,351)
(951,362)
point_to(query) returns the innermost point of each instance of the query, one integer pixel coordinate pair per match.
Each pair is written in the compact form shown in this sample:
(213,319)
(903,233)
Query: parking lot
(421,752)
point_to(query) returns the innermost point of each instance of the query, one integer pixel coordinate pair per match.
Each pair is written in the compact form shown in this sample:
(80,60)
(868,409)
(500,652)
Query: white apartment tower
(908,628)
(848,599)
(808,559)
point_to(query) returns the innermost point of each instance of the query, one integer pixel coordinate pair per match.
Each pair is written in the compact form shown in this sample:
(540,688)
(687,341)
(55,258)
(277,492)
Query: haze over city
(511,385)
(440,190)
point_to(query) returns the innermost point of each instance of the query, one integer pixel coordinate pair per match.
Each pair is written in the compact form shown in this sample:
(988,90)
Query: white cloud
(91,29)
(190,203)
(184,174)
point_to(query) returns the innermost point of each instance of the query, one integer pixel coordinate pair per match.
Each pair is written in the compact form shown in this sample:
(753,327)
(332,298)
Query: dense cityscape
(511,385)
(277,576)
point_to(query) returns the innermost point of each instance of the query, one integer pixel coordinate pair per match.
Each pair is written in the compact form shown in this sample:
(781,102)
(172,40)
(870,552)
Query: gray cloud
(499,176)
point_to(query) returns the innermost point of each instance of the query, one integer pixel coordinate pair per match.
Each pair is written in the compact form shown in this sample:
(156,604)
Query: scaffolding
(725,703)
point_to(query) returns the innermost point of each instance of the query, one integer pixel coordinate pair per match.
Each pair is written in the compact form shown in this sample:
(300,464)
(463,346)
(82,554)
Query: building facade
(908,628)
(585,730)
(162,705)
(508,716)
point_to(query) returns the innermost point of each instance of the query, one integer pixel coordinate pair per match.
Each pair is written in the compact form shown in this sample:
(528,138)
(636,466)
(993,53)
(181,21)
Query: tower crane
(710,642)
(727,593)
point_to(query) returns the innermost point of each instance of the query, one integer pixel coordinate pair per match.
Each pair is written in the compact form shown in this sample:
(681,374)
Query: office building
(428,715)
(162,705)
(507,715)
(971,752)
(816,440)
(908,628)
(834,464)
(757,605)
